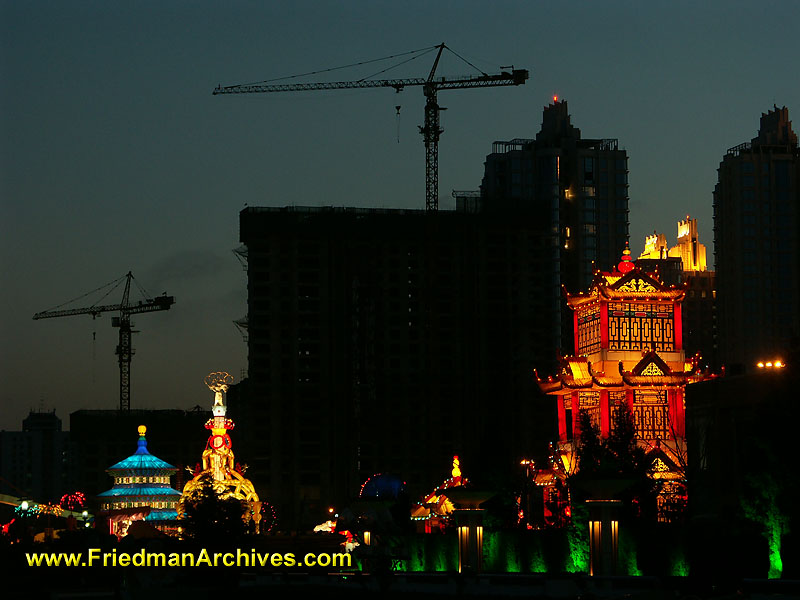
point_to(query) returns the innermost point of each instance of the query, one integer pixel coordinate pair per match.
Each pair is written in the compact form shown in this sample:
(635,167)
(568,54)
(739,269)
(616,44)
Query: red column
(604,325)
(605,420)
(679,415)
(678,327)
(562,420)
(575,330)
(576,400)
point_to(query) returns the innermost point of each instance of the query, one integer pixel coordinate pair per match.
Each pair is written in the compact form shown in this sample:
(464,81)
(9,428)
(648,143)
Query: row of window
(141,479)
(158,504)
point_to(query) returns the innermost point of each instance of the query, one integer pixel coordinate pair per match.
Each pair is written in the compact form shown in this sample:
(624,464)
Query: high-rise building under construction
(389,340)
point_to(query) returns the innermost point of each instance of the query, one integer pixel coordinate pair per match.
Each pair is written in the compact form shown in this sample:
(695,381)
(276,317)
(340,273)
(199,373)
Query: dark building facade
(757,245)
(391,340)
(576,189)
(384,341)
(35,461)
(742,474)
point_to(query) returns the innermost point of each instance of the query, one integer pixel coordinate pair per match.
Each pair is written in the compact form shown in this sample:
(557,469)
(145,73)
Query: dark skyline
(115,156)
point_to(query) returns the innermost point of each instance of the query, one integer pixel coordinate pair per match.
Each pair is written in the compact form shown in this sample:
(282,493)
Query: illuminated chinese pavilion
(629,351)
(218,459)
(434,510)
(141,491)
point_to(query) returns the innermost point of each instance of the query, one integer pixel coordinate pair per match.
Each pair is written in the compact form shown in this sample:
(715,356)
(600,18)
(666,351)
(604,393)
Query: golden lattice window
(635,326)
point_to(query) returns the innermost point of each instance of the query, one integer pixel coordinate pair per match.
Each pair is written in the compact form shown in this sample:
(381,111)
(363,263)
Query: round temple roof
(141,462)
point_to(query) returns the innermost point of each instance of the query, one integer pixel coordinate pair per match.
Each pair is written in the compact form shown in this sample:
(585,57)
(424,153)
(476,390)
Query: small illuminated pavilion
(629,350)
(433,512)
(141,491)
(218,458)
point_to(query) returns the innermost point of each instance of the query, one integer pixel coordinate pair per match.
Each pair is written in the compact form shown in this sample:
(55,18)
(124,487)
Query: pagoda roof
(577,374)
(141,462)
(138,491)
(636,284)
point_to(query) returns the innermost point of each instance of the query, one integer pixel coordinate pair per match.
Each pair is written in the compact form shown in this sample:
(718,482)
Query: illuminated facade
(689,249)
(434,511)
(629,340)
(218,459)
(685,263)
(141,491)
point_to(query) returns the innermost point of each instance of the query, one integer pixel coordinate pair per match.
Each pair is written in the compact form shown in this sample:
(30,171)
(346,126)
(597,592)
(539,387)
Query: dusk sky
(115,156)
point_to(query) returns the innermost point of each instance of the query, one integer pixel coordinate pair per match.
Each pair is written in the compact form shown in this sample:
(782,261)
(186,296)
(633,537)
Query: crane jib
(516,77)
(430,86)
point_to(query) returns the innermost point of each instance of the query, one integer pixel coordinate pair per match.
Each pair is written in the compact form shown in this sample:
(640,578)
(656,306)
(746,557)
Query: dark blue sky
(114,155)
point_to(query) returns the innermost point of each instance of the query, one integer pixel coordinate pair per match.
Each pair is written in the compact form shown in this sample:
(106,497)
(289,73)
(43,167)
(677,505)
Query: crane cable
(356,64)
(115,283)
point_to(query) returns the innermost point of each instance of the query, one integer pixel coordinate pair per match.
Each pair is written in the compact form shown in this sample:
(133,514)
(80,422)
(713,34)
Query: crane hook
(397,108)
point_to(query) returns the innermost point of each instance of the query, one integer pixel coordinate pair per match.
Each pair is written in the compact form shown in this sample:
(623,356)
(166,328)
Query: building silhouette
(577,191)
(390,340)
(757,245)
(34,462)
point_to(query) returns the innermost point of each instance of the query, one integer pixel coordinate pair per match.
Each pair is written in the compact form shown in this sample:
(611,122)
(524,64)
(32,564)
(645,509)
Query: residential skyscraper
(757,245)
(577,191)
(384,341)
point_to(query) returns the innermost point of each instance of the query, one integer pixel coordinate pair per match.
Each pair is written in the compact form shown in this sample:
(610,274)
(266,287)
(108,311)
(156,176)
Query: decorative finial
(218,383)
(626,262)
(142,430)
(456,472)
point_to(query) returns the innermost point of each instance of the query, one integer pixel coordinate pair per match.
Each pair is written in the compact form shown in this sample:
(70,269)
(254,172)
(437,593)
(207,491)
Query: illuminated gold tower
(218,458)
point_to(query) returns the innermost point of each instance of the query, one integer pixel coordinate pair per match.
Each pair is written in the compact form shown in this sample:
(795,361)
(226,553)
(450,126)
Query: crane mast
(430,130)
(124,348)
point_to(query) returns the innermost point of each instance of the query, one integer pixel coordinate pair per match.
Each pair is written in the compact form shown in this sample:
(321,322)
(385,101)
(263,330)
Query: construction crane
(123,321)
(430,130)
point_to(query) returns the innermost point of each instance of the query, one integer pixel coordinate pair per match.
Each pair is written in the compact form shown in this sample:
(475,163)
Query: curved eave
(139,492)
(577,300)
(550,387)
(656,296)
(158,514)
(142,462)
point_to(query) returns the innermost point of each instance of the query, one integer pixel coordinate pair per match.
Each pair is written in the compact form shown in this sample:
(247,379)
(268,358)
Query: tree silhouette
(208,518)
(618,457)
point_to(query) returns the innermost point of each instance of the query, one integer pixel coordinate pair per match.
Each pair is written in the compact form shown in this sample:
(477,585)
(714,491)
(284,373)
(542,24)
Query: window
(640,326)
(650,414)
(590,402)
